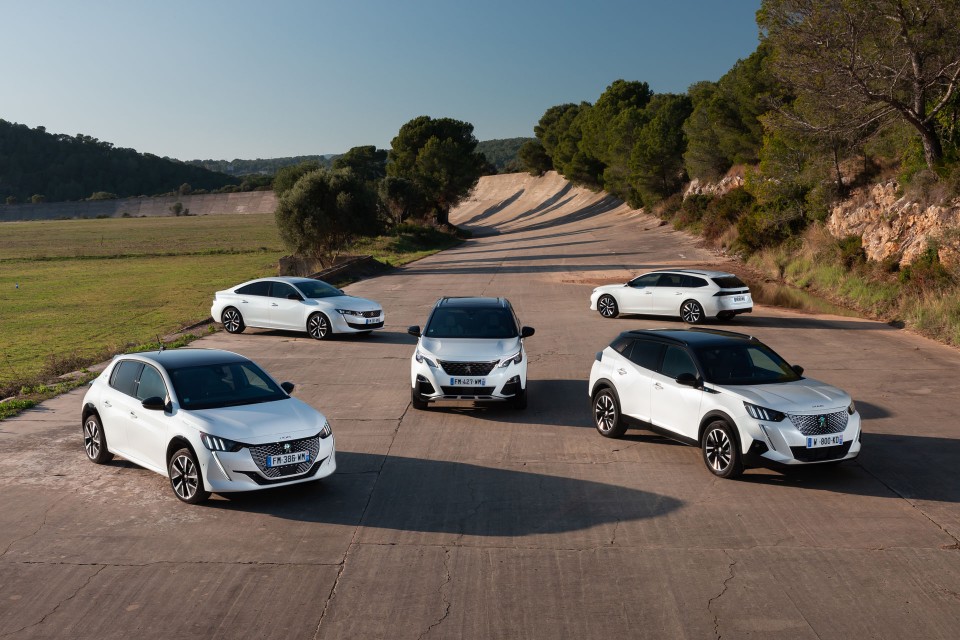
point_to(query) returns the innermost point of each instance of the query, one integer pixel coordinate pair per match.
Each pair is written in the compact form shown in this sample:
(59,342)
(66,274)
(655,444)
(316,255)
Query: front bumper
(501,384)
(226,472)
(353,324)
(780,444)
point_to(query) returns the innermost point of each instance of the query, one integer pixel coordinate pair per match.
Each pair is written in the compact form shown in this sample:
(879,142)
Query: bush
(927,273)
(723,212)
(851,251)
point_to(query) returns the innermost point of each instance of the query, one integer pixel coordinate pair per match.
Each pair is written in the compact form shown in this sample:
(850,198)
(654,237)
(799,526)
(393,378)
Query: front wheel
(94,441)
(720,451)
(417,400)
(318,326)
(607,306)
(185,477)
(232,320)
(606,415)
(520,400)
(691,312)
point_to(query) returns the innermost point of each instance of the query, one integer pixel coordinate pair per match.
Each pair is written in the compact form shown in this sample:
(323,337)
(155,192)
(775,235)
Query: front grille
(354,325)
(259,454)
(468,368)
(370,314)
(467,391)
(822,454)
(814,426)
(264,482)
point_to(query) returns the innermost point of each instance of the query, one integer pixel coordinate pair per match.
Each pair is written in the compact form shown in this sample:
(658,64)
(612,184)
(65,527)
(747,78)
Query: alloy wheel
(718,450)
(607,306)
(691,312)
(91,438)
(184,476)
(231,320)
(318,327)
(605,413)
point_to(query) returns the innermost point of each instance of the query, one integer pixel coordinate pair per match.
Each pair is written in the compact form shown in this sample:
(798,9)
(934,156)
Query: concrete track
(465,522)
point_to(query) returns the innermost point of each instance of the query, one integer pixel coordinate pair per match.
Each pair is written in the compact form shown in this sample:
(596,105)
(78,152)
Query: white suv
(725,392)
(470,349)
(692,295)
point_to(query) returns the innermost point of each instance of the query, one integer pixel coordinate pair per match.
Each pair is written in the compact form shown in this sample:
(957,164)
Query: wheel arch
(176,443)
(716,414)
(600,385)
(89,409)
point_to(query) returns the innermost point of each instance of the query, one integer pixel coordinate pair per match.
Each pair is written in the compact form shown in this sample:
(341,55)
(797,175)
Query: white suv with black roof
(470,349)
(727,393)
(693,295)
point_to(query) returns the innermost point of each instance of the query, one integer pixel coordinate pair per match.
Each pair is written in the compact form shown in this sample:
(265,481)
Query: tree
(323,212)
(439,156)
(11,199)
(871,60)
(533,158)
(38,198)
(657,157)
(400,199)
(367,162)
(287,176)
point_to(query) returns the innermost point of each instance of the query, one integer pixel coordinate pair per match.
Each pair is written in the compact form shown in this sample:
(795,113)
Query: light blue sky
(243,79)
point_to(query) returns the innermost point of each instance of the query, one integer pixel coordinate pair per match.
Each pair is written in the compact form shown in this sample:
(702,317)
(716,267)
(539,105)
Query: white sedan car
(210,420)
(693,295)
(295,304)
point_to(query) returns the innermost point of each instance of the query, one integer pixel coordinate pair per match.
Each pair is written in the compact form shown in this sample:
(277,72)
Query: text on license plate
(739,298)
(468,382)
(372,320)
(294,457)
(814,442)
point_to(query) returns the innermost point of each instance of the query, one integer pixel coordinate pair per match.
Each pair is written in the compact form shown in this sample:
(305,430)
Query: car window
(281,290)
(670,280)
(317,289)
(260,288)
(472,322)
(745,364)
(151,384)
(676,360)
(223,385)
(645,353)
(693,282)
(649,280)
(621,344)
(124,376)
(729,282)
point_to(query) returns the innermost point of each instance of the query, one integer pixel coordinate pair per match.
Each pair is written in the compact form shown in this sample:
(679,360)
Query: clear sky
(218,79)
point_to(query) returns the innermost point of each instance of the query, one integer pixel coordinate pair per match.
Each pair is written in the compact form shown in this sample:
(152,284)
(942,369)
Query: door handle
(657,385)
(622,371)
(274,304)
(678,293)
(133,415)
(243,301)
(648,293)
(106,403)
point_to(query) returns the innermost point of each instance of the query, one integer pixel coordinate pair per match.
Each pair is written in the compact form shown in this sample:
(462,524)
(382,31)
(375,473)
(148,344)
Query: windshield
(744,364)
(223,385)
(472,322)
(317,289)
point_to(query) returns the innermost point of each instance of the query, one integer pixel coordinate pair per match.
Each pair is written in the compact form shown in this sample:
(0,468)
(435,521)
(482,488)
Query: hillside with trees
(503,153)
(265,166)
(40,166)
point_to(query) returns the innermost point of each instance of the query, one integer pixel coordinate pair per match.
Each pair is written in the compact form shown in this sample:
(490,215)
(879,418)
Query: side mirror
(414,331)
(526,332)
(154,403)
(688,380)
(288,387)
(798,369)
(294,296)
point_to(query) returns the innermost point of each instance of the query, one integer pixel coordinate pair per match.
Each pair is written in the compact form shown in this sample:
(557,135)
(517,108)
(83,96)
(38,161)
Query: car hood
(260,423)
(609,288)
(352,303)
(802,396)
(469,349)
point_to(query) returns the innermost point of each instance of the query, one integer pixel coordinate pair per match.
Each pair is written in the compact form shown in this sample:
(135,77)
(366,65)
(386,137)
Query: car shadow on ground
(380,336)
(408,494)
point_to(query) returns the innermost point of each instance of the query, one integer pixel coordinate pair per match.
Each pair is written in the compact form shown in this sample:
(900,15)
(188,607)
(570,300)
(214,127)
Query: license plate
(294,457)
(373,320)
(468,382)
(739,298)
(815,442)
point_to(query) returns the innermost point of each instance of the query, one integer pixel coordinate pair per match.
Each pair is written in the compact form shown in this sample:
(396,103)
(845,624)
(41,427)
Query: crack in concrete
(59,604)
(173,563)
(723,590)
(39,527)
(443,598)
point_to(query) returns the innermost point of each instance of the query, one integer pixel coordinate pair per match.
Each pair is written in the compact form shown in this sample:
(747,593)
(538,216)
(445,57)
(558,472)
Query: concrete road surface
(465,522)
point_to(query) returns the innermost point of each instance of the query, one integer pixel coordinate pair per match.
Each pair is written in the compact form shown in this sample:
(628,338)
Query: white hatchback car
(470,349)
(692,295)
(210,420)
(725,392)
(295,304)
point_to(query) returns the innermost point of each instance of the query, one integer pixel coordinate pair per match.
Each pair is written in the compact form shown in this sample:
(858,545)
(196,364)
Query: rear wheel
(607,306)
(720,451)
(94,442)
(318,326)
(185,477)
(691,312)
(232,320)
(725,315)
(606,414)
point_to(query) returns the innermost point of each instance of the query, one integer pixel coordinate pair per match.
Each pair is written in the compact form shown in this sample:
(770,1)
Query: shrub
(927,273)
(851,251)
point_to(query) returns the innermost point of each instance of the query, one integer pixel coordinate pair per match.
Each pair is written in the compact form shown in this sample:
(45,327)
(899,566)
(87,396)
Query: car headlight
(852,409)
(516,358)
(762,413)
(326,432)
(348,312)
(422,358)
(216,443)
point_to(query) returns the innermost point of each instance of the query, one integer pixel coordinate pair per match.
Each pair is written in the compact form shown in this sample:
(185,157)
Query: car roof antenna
(160,341)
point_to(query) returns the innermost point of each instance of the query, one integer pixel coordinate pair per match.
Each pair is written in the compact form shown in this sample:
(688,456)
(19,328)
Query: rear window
(645,353)
(124,376)
(255,289)
(730,282)
(693,282)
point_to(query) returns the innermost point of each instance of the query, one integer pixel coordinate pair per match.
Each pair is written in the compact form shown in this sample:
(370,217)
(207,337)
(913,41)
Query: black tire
(691,312)
(186,478)
(606,414)
(721,453)
(94,440)
(417,400)
(519,401)
(726,316)
(232,320)
(607,306)
(318,326)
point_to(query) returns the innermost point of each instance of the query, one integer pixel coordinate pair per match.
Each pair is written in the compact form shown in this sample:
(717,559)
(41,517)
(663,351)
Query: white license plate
(468,382)
(373,320)
(294,457)
(739,298)
(815,442)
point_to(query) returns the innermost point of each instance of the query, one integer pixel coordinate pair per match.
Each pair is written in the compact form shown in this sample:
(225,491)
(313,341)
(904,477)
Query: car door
(674,406)
(254,303)
(285,312)
(668,294)
(148,431)
(633,377)
(637,295)
(114,410)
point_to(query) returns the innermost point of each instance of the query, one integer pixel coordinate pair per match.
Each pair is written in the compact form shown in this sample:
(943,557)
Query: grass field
(72,292)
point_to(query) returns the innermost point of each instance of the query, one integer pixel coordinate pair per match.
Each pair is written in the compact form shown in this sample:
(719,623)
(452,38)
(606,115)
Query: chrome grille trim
(468,368)
(259,454)
(809,425)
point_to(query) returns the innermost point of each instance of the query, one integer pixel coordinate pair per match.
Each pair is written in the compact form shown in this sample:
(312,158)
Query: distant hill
(265,166)
(502,153)
(61,167)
